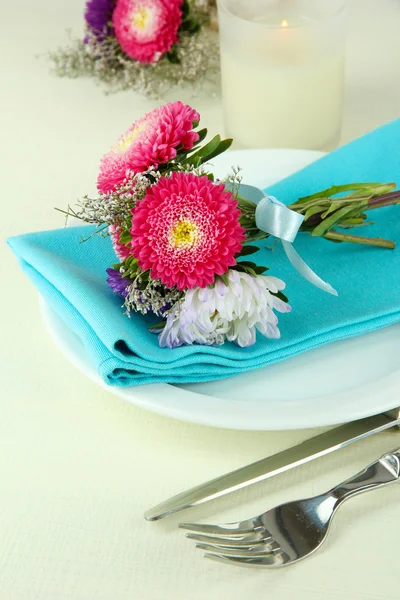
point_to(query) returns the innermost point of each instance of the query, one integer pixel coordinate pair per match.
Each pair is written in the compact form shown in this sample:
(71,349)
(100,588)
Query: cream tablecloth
(78,467)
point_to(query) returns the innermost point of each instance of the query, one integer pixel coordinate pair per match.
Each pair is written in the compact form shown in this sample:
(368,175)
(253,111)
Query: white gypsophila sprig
(115,207)
(101,58)
(233,179)
(188,168)
(232,312)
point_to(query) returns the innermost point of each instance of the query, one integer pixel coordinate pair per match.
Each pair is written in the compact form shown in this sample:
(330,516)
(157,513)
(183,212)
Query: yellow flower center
(184,234)
(140,18)
(128,139)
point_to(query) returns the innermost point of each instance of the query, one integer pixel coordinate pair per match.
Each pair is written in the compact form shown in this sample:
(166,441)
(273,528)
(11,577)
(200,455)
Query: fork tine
(230,529)
(238,541)
(238,552)
(268,561)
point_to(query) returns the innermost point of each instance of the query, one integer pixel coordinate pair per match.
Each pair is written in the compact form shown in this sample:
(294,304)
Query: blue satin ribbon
(278,220)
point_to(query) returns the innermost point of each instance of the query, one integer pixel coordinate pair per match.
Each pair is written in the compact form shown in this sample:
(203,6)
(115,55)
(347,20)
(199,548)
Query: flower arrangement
(182,238)
(146,45)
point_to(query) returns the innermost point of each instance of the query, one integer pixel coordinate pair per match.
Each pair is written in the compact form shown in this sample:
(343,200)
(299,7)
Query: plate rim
(134,394)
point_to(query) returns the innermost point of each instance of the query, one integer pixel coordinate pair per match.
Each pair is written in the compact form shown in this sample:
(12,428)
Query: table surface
(78,467)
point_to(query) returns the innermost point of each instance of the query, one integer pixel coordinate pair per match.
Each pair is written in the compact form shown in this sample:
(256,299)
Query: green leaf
(190,24)
(249,267)
(157,327)
(281,296)
(202,134)
(214,147)
(172,55)
(131,261)
(238,267)
(125,238)
(245,203)
(260,269)
(352,222)
(330,222)
(250,271)
(130,267)
(361,191)
(207,149)
(223,146)
(338,189)
(332,207)
(225,279)
(313,211)
(247,250)
(185,9)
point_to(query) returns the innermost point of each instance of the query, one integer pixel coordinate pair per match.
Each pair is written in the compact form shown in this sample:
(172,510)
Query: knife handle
(310,449)
(394,414)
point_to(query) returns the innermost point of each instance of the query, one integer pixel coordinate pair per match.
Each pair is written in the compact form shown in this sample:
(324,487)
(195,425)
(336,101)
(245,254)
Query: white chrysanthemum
(222,312)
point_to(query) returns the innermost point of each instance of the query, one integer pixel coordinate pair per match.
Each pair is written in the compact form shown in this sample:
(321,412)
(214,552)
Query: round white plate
(333,384)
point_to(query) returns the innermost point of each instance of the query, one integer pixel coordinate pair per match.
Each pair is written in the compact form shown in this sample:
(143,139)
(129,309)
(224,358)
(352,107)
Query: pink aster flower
(186,230)
(147,29)
(149,142)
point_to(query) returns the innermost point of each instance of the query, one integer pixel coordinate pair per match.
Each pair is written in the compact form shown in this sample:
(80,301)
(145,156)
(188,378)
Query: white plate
(333,384)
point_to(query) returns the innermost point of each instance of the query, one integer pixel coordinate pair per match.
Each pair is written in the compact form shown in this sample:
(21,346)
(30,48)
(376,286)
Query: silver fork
(290,532)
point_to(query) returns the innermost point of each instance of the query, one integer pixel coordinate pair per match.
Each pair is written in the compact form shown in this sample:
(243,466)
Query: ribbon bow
(278,220)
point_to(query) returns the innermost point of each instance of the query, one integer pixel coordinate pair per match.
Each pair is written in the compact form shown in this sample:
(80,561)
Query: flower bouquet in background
(183,238)
(145,45)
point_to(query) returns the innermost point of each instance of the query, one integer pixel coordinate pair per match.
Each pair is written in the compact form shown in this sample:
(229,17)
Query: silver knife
(277,463)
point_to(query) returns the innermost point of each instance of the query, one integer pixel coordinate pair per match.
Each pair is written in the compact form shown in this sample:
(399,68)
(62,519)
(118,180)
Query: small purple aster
(98,15)
(117,283)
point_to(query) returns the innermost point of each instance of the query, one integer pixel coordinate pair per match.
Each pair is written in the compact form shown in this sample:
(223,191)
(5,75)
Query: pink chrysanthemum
(120,250)
(147,29)
(149,142)
(186,230)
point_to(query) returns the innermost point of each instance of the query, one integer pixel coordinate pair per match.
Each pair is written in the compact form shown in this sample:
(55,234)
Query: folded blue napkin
(71,277)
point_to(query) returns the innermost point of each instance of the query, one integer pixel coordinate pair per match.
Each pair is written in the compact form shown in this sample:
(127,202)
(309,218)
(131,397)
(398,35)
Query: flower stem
(356,239)
(385,200)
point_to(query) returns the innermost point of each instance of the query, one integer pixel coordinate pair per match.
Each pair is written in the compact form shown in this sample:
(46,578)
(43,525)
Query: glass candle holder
(282,71)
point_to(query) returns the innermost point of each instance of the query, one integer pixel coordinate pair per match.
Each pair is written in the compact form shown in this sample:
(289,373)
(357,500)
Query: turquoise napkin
(71,277)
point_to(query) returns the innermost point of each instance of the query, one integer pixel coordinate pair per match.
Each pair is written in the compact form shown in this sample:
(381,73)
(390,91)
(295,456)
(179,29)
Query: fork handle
(381,472)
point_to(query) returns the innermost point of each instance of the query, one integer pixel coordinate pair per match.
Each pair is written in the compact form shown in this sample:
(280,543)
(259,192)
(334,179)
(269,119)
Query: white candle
(282,78)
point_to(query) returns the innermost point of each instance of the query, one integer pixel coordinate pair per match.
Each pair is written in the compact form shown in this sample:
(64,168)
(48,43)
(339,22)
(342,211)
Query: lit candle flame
(284,23)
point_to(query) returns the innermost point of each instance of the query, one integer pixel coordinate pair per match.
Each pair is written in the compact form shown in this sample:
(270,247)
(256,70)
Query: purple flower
(117,283)
(98,15)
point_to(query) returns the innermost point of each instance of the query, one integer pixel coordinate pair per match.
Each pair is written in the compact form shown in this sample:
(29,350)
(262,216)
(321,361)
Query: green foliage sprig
(331,209)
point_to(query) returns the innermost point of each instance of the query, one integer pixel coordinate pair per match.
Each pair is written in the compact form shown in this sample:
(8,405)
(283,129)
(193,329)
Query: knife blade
(315,447)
